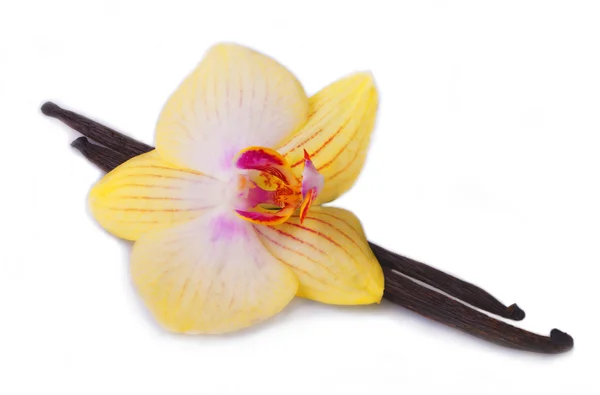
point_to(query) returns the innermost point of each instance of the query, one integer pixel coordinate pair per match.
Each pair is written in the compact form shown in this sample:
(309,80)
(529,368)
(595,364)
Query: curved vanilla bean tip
(80,143)
(105,158)
(95,131)
(451,285)
(405,292)
(561,338)
(514,312)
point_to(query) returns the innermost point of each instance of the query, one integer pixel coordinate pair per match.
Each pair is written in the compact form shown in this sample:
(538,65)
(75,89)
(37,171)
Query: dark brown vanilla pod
(99,133)
(436,306)
(105,158)
(451,285)
(399,287)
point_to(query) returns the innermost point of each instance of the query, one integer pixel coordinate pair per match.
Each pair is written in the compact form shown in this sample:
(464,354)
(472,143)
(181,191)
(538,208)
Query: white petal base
(210,275)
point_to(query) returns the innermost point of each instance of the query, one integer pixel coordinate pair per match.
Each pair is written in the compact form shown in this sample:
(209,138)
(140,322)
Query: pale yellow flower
(225,233)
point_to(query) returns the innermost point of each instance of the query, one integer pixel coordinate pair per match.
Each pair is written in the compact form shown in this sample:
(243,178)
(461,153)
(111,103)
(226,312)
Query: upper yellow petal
(145,194)
(337,134)
(234,99)
(210,275)
(329,254)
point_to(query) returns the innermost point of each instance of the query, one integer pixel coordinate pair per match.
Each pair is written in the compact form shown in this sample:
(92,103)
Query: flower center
(268,192)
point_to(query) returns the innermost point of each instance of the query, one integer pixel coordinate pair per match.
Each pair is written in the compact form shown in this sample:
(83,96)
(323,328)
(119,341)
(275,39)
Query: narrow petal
(210,275)
(311,178)
(235,98)
(329,254)
(337,134)
(145,194)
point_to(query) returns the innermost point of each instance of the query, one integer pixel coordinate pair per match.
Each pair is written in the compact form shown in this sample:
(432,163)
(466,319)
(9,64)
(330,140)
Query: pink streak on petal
(257,159)
(226,227)
(261,160)
(227,156)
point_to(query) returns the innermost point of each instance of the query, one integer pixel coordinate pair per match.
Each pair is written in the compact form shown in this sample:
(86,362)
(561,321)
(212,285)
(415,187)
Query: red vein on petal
(315,232)
(297,239)
(297,253)
(351,162)
(326,238)
(304,141)
(318,106)
(343,221)
(359,127)
(326,143)
(337,230)
(312,136)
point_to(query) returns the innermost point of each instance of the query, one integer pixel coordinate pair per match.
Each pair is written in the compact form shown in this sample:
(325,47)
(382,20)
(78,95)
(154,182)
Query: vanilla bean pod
(105,158)
(399,287)
(451,285)
(94,131)
(436,306)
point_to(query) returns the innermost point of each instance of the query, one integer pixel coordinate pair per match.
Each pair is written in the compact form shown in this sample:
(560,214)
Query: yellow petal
(145,194)
(210,275)
(234,99)
(337,134)
(329,254)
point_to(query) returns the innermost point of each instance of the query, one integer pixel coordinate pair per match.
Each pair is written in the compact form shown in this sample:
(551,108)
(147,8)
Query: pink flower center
(268,190)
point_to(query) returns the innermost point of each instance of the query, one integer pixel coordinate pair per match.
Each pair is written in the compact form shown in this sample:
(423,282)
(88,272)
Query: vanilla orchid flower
(226,213)
(190,283)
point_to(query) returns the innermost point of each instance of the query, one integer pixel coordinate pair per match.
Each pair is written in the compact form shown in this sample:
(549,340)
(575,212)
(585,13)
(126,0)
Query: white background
(485,163)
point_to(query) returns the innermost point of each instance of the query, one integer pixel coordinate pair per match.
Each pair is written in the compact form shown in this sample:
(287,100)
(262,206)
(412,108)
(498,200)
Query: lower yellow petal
(145,194)
(210,275)
(329,254)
